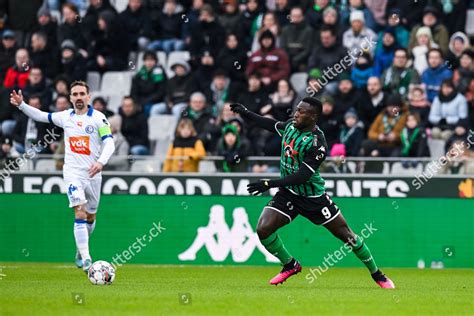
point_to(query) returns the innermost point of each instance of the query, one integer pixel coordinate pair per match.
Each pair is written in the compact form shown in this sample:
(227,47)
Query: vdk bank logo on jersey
(80,145)
(239,241)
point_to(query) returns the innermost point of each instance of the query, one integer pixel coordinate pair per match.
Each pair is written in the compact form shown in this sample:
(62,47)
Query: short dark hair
(315,103)
(79,83)
(435,50)
(401,49)
(327,28)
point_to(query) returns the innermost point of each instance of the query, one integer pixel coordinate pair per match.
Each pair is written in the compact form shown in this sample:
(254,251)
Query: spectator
(358,6)
(232,58)
(329,121)
(119,160)
(378,10)
(71,28)
(345,96)
(325,56)
(460,133)
(28,133)
(268,23)
(458,43)
(7,151)
(439,31)
(169,35)
(358,36)
(447,109)
(192,18)
(100,105)
(233,149)
(254,97)
(205,67)
(362,71)
(331,20)
(149,84)
(230,19)
(8,49)
(42,57)
(394,21)
(73,66)
(137,25)
(418,103)
(269,62)
(248,19)
(218,91)
(38,86)
(208,35)
(352,134)
(108,51)
(49,26)
(282,11)
(21,17)
(399,76)
(281,102)
(201,117)
(384,133)
(411,12)
(61,103)
(295,40)
(60,86)
(459,159)
(92,16)
(314,15)
(178,91)
(435,74)
(372,102)
(56,4)
(17,75)
(424,43)
(413,138)
(465,72)
(186,150)
(384,56)
(134,128)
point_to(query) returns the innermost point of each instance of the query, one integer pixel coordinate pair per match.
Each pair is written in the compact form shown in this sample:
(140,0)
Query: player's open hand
(257,188)
(16,98)
(95,169)
(238,108)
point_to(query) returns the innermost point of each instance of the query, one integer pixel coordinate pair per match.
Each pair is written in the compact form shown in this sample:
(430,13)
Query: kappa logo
(80,145)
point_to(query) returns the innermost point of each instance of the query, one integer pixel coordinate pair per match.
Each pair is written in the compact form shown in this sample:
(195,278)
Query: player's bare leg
(339,228)
(81,235)
(270,221)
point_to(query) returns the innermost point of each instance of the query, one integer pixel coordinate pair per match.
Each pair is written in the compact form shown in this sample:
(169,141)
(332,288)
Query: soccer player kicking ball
(86,132)
(301,189)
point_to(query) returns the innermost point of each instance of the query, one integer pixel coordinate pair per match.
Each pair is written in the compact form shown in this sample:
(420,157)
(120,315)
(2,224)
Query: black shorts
(319,210)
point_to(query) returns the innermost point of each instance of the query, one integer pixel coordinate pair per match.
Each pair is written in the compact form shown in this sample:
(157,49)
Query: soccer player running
(301,189)
(89,145)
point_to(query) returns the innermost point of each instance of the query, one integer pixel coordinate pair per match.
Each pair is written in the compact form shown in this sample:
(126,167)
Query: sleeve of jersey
(314,157)
(34,113)
(107,150)
(104,129)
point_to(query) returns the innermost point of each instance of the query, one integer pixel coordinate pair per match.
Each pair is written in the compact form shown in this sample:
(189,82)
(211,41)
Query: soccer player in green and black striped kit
(301,189)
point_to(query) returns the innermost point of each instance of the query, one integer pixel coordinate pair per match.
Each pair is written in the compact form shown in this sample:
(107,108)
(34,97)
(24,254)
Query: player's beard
(79,105)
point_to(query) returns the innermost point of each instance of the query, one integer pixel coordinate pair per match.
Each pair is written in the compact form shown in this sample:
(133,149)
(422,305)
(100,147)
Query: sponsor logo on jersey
(80,145)
(289,149)
(89,129)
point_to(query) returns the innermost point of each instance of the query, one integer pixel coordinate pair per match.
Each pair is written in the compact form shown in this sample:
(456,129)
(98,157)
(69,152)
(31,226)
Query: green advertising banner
(208,230)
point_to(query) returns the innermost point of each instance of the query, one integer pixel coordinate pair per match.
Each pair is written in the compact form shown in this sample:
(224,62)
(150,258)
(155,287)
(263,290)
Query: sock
(363,253)
(90,227)
(82,238)
(275,246)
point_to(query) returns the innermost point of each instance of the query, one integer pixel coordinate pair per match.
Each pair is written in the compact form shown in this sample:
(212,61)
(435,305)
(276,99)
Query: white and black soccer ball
(101,273)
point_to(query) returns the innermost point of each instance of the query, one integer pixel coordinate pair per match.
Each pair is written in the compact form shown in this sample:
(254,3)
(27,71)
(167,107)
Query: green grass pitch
(61,289)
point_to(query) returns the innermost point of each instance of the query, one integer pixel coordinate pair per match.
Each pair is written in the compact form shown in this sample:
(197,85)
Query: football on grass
(101,273)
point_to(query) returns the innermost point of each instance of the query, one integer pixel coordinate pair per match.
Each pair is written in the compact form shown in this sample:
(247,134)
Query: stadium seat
(207,166)
(161,148)
(436,147)
(117,82)
(174,57)
(93,80)
(148,166)
(161,127)
(299,81)
(45,165)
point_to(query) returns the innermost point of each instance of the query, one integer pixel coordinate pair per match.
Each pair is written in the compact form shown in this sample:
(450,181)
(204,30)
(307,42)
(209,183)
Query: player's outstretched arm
(297,178)
(264,122)
(17,100)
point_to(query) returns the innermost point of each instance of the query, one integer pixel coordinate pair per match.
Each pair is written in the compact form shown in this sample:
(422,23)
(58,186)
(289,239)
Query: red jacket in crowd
(16,78)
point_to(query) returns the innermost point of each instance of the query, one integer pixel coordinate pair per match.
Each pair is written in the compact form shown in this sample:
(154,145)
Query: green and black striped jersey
(298,148)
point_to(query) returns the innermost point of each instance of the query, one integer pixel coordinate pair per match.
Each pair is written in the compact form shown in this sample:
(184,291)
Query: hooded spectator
(465,72)
(458,43)
(352,134)
(49,26)
(362,71)
(233,149)
(73,66)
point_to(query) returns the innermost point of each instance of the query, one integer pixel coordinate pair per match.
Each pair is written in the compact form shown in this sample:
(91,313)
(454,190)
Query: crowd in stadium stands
(391,74)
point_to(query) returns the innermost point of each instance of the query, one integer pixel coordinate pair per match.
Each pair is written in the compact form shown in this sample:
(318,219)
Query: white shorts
(82,191)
